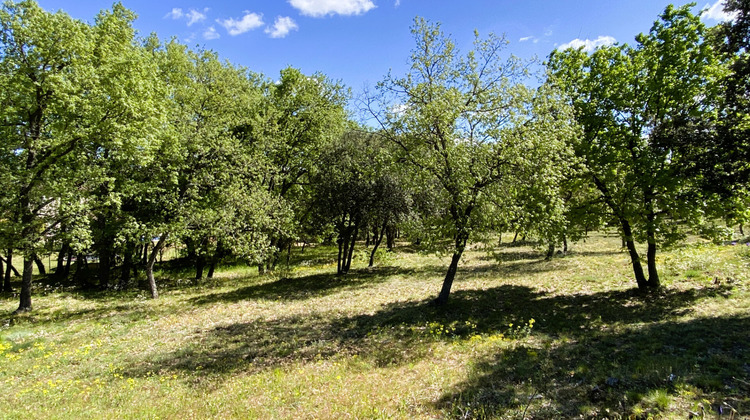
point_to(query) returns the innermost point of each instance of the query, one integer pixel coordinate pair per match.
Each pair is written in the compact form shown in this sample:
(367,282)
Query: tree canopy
(115,147)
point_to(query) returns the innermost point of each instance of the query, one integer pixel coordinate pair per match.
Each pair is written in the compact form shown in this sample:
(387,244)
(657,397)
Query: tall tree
(468,123)
(721,148)
(628,101)
(66,89)
(300,117)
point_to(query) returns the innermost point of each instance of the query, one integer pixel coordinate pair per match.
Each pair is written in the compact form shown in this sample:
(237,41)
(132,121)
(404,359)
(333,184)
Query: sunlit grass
(521,337)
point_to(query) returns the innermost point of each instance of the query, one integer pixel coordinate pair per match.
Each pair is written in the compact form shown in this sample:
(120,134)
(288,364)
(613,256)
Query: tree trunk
(2,268)
(105,260)
(200,265)
(377,239)
(25,299)
(741,231)
(390,233)
(515,238)
(461,239)
(190,247)
(81,274)
(150,265)
(352,242)
(640,278)
(550,251)
(211,268)
(565,244)
(144,255)
(40,265)
(653,274)
(127,265)
(8,269)
(340,242)
(60,270)
(68,261)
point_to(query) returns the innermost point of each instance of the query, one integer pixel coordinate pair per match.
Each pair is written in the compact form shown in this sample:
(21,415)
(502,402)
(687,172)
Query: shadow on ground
(304,287)
(604,351)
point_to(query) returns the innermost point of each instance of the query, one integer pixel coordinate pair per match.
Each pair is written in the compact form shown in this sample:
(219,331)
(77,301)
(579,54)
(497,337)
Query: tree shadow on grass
(634,372)
(609,324)
(304,287)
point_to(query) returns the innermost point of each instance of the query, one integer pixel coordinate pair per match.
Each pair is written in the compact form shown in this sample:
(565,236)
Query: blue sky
(358,41)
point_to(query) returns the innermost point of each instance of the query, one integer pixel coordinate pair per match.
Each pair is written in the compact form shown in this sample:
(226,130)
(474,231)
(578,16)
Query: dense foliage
(115,148)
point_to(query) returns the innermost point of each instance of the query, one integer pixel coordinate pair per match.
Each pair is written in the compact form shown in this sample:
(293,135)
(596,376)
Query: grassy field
(521,338)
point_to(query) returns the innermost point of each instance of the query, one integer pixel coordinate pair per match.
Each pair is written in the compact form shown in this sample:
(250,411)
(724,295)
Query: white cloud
(281,27)
(211,33)
(194,16)
(529,38)
(587,44)
(248,22)
(319,8)
(716,12)
(398,3)
(176,13)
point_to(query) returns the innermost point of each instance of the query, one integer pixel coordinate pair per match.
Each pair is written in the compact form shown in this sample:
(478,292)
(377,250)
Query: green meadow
(521,337)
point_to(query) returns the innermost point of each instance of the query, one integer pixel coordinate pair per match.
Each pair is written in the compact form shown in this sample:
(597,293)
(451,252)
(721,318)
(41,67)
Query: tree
(299,118)
(629,101)
(204,186)
(357,188)
(66,89)
(469,124)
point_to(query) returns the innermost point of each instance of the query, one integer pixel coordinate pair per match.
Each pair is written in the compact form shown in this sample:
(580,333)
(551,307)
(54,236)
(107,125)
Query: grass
(520,338)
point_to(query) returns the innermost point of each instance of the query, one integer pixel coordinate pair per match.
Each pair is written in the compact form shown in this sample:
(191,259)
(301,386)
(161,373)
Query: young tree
(628,101)
(469,124)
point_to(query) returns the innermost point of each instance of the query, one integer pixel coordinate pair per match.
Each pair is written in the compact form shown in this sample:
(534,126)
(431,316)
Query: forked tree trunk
(635,259)
(150,265)
(377,239)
